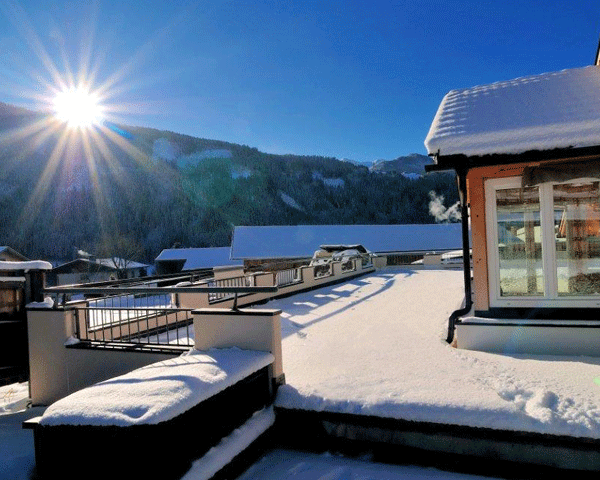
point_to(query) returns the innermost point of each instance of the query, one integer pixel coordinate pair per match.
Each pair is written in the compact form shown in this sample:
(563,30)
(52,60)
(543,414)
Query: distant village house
(7,254)
(86,270)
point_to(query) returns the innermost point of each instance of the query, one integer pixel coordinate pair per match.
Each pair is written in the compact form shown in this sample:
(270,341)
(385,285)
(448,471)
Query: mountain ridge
(157,188)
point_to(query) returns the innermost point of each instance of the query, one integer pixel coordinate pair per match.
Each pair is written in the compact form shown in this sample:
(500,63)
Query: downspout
(461,174)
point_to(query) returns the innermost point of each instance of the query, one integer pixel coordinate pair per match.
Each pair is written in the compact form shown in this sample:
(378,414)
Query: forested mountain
(409,165)
(62,190)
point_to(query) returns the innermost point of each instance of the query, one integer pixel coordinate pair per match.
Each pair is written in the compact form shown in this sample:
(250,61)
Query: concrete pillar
(48,330)
(251,329)
(337,268)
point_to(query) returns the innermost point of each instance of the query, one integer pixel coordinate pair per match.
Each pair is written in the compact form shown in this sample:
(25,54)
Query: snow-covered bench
(155,420)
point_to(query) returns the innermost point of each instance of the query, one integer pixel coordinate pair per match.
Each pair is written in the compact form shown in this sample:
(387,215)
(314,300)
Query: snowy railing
(323,270)
(348,266)
(138,325)
(144,315)
(150,314)
(241,281)
(116,308)
(287,277)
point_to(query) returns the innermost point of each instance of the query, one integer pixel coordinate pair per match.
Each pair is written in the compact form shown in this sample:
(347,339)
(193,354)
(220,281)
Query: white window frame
(550,298)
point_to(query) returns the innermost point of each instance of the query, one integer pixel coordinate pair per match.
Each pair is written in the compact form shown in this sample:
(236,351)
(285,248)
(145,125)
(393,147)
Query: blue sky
(347,79)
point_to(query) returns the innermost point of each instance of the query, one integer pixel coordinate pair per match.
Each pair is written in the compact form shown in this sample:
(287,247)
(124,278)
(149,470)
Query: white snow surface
(539,112)
(282,464)
(375,346)
(14,397)
(372,346)
(290,202)
(29,265)
(231,446)
(47,303)
(157,392)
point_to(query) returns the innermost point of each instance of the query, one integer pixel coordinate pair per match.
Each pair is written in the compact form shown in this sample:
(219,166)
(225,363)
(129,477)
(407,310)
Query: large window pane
(520,242)
(577,235)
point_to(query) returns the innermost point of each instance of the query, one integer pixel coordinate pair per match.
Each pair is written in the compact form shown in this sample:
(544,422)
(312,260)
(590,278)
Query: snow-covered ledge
(151,410)
(157,392)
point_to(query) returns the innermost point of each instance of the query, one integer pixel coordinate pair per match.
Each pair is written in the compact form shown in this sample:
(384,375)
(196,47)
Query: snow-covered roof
(301,241)
(109,263)
(540,112)
(119,262)
(10,251)
(199,257)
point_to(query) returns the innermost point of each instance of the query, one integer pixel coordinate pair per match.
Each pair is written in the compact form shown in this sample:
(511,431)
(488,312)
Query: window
(543,243)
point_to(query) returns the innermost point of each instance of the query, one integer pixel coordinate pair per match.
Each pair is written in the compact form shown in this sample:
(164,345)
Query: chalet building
(527,156)
(86,270)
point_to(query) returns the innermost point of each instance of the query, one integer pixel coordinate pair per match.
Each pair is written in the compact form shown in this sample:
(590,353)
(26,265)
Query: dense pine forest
(112,187)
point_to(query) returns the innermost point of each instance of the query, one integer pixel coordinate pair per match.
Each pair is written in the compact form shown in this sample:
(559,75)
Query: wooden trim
(475,450)
(476,179)
(476,199)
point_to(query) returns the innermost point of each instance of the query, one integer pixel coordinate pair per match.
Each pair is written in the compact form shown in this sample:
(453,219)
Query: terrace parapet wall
(60,364)
(56,371)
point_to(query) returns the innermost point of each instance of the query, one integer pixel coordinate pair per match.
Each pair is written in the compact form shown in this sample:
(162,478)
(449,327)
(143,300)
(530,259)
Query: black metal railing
(137,327)
(140,315)
(241,281)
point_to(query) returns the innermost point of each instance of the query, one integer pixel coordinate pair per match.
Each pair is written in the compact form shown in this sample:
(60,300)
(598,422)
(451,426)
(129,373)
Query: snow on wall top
(199,257)
(30,265)
(157,392)
(301,241)
(540,112)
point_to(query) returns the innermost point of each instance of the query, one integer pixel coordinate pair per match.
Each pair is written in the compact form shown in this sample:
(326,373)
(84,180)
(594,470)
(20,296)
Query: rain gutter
(461,177)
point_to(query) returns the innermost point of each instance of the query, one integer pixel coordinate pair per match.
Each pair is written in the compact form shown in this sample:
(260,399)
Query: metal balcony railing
(141,315)
(241,281)
(287,277)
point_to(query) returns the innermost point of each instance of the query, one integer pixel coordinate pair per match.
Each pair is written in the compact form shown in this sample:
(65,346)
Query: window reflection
(520,241)
(577,238)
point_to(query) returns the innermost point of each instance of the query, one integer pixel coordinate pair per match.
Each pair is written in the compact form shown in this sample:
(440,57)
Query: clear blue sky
(348,79)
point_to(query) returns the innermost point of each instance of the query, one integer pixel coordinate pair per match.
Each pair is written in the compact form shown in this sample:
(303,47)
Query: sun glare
(77,107)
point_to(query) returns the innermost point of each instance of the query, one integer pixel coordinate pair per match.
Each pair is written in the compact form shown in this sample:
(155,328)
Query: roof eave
(462,162)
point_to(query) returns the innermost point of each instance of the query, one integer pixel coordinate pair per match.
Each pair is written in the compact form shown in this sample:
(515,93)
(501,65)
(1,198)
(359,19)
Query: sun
(77,107)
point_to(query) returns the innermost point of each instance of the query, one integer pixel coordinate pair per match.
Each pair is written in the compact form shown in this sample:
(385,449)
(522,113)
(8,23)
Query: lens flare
(77,107)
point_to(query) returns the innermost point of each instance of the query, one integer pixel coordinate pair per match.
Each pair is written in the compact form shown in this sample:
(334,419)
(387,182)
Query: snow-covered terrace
(374,347)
